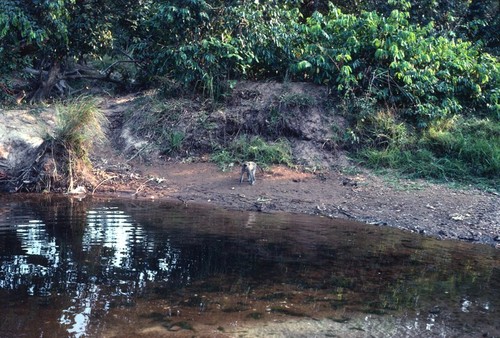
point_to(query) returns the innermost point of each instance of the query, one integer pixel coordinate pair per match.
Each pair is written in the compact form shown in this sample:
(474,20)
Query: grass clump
(299,100)
(376,127)
(247,148)
(63,157)
(79,125)
(173,142)
(459,148)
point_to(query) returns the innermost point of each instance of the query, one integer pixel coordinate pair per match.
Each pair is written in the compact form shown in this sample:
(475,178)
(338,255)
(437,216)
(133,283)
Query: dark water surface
(125,268)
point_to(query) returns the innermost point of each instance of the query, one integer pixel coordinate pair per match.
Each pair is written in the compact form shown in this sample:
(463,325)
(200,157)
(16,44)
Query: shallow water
(120,268)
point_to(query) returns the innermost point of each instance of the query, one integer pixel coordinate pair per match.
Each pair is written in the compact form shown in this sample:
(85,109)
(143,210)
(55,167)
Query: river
(100,267)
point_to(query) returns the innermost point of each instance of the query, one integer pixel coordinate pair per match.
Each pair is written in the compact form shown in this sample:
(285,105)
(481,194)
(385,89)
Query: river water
(128,268)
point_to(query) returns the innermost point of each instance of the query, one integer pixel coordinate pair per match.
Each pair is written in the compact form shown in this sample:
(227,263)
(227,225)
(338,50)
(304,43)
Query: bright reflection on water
(110,268)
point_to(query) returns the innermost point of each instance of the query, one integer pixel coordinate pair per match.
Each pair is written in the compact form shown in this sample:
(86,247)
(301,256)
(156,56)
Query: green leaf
(303,65)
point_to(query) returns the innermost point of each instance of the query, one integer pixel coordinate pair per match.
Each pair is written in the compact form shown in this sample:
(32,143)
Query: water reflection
(129,268)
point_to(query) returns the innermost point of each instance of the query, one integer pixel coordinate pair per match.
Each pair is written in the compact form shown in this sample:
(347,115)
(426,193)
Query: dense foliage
(403,70)
(43,40)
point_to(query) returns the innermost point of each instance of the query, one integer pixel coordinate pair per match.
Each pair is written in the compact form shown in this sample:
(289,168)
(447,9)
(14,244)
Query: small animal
(249,168)
(20,97)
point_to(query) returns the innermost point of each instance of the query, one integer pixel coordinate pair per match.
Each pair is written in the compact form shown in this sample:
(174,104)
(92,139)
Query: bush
(175,140)
(62,158)
(377,127)
(423,75)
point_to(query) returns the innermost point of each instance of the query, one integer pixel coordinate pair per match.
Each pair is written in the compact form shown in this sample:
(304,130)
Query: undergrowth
(460,150)
(253,148)
(158,120)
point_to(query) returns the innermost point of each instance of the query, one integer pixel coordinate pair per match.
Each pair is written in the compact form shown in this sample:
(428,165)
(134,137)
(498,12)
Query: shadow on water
(118,268)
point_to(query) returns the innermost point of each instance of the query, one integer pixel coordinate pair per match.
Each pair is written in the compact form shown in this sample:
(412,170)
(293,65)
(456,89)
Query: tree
(46,38)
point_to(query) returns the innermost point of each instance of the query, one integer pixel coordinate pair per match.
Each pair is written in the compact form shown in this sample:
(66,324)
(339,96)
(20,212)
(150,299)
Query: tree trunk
(47,82)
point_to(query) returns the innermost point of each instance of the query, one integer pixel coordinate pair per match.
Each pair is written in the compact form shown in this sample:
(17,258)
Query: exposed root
(52,169)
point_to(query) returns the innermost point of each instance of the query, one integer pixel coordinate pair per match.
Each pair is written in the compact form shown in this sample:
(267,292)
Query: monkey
(249,168)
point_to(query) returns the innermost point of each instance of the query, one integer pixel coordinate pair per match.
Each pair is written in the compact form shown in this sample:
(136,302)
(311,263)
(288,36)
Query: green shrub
(174,141)
(376,127)
(382,130)
(423,75)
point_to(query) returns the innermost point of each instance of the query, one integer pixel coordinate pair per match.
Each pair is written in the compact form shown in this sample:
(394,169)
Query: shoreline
(417,206)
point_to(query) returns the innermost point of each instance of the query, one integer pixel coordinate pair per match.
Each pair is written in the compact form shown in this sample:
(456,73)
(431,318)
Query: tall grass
(174,141)
(456,149)
(79,125)
(473,142)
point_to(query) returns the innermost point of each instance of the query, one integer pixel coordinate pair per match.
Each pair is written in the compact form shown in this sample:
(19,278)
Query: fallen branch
(59,78)
(104,180)
(143,185)
(342,211)
(118,62)
(137,153)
